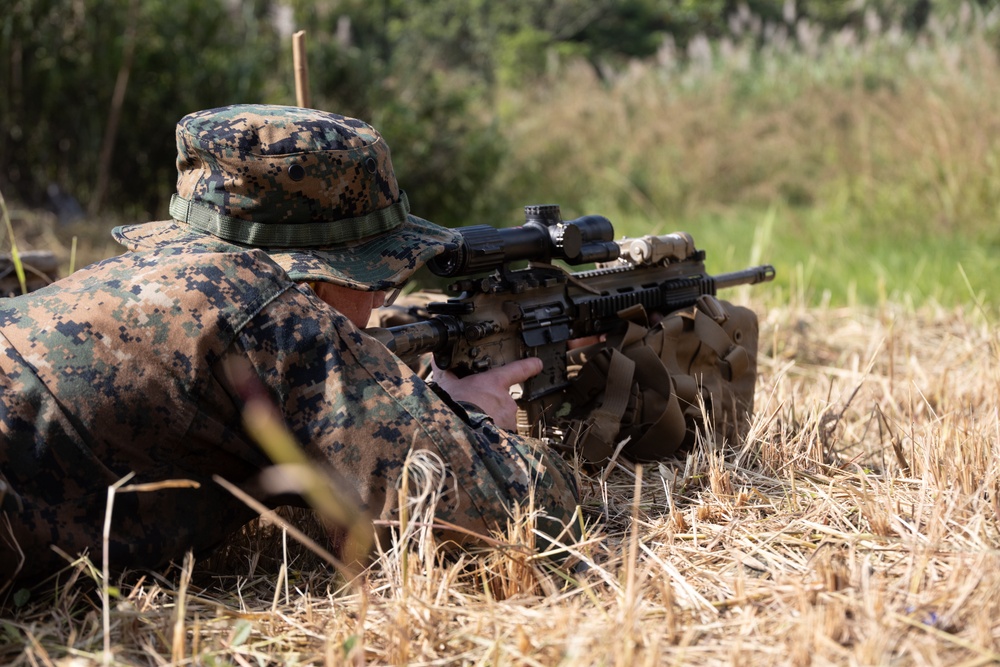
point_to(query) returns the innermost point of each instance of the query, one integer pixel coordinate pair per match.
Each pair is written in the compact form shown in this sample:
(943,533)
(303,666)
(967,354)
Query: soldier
(288,229)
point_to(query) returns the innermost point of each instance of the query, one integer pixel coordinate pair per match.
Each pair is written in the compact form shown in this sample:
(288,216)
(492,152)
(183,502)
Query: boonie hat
(315,190)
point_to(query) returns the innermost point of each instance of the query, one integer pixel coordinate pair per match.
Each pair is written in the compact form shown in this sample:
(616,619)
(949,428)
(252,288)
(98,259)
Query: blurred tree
(425,73)
(389,63)
(62,60)
(91,89)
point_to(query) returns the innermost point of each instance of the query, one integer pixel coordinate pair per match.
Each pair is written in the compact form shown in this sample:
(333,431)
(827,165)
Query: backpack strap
(627,371)
(611,371)
(708,320)
(659,396)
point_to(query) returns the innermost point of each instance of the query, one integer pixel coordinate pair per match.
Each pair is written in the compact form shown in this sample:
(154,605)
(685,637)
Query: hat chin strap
(205,218)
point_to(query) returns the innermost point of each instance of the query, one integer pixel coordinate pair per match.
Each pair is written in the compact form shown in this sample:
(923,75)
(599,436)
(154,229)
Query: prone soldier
(288,227)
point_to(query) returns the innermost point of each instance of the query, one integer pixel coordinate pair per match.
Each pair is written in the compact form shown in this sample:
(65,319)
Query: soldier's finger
(518,371)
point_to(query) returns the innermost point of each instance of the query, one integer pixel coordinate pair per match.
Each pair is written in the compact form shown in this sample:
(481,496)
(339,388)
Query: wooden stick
(301,68)
(115,112)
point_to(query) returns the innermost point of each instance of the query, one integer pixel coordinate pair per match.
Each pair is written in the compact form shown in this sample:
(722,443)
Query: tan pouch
(655,385)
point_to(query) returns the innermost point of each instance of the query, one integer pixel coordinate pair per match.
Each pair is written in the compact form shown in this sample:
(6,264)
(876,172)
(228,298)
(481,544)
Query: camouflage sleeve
(356,407)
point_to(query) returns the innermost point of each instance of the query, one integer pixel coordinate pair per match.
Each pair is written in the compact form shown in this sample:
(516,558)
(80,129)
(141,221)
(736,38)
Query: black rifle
(512,313)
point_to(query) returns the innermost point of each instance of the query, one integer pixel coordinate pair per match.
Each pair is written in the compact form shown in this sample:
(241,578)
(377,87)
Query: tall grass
(858,523)
(876,154)
(15,255)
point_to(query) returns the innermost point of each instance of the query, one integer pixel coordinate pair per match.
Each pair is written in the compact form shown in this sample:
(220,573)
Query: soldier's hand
(490,390)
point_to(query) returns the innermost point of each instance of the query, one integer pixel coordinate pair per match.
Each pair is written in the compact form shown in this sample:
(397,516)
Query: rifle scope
(542,238)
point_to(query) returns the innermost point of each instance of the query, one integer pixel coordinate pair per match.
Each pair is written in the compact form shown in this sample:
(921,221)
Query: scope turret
(543,237)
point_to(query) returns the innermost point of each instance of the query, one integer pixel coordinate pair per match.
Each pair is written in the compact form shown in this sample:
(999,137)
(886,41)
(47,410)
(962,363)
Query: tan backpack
(654,385)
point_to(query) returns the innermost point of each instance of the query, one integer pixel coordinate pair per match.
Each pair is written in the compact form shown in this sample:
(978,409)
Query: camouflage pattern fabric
(122,367)
(315,189)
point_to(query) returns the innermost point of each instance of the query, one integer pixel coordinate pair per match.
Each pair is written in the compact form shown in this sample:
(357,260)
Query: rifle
(512,313)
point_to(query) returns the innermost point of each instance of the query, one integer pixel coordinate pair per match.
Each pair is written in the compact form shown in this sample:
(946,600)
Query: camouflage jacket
(124,367)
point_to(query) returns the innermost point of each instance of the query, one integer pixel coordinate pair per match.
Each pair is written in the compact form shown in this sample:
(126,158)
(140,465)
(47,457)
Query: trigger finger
(521,370)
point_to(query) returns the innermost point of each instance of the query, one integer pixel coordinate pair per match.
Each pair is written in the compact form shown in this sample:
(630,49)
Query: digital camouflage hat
(315,190)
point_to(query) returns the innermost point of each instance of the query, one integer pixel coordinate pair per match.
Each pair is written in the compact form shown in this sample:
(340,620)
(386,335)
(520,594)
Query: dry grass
(858,524)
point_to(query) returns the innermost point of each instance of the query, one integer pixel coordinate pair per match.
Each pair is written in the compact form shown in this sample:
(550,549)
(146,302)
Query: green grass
(821,258)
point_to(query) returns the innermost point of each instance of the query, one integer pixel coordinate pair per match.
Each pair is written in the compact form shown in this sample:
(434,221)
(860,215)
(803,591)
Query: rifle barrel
(751,276)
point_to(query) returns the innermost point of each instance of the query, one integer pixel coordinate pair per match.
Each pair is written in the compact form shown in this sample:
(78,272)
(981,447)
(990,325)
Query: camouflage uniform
(128,365)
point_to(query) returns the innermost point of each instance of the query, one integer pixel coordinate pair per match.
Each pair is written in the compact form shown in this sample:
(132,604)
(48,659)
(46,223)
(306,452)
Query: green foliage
(862,118)
(21,597)
(447,155)
(65,58)
(438,121)
(15,255)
